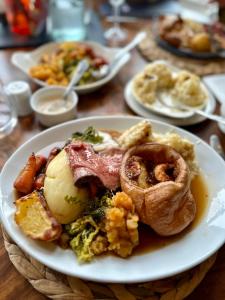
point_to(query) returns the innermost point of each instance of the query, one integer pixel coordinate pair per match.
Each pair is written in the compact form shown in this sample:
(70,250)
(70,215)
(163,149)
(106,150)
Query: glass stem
(116,15)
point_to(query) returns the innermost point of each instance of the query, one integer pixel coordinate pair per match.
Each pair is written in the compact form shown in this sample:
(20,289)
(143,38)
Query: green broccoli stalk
(84,230)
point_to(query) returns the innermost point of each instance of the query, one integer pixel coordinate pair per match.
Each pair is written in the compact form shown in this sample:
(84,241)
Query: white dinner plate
(193,248)
(142,111)
(25,60)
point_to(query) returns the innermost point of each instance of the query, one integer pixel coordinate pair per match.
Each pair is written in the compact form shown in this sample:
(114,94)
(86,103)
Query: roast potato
(201,42)
(34,218)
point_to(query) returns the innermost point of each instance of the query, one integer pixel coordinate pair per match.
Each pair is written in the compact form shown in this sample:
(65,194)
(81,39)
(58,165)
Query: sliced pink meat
(87,165)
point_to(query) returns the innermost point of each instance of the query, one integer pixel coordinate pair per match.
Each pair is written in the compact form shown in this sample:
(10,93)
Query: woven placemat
(151,51)
(55,285)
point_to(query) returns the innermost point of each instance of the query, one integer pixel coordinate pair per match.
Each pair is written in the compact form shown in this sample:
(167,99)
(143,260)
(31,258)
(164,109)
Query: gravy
(149,240)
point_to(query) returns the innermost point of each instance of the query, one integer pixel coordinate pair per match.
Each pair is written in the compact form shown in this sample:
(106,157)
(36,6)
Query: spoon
(81,68)
(106,69)
(197,111)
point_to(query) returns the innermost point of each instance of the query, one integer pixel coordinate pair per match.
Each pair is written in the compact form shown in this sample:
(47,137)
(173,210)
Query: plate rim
(93,118)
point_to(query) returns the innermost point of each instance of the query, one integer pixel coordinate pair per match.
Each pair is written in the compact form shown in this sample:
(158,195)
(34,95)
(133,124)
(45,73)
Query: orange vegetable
(25,180)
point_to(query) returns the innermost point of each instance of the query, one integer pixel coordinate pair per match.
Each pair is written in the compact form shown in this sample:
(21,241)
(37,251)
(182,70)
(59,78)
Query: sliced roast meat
(88,166)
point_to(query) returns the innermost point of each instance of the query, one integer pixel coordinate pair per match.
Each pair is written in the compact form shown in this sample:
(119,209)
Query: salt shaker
(19,94)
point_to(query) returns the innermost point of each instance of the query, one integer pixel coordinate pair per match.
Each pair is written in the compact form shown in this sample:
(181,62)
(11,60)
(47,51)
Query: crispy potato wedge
(35,219)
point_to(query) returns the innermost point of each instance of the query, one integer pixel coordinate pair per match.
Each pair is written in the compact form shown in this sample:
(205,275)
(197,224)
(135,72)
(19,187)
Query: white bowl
(51,119)
(25,60)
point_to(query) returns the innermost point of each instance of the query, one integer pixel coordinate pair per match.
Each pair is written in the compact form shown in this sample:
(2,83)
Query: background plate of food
(188,38)
(161,88)
(54,63)
(135,200)
(140,110)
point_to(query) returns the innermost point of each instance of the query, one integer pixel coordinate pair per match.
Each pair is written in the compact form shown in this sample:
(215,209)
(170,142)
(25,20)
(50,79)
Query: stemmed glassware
(115,33)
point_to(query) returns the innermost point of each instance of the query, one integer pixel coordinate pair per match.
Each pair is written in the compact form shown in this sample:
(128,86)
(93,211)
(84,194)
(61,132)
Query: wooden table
(107,101)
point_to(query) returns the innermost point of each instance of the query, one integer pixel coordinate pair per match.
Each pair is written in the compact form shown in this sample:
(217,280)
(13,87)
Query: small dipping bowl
(49,108)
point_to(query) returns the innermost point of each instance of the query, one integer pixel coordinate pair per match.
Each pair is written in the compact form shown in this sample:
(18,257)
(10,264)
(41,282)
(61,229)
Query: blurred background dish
(168,86)
(186,37)
(26,60)
(26,18)
(140,110)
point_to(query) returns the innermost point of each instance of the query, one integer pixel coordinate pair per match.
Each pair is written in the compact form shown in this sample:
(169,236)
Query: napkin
(216,84)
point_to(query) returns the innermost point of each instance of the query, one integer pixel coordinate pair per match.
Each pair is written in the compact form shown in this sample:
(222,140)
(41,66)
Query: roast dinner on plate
(189,36)
(111,192)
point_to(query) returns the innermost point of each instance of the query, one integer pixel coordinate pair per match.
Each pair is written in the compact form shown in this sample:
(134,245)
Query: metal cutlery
(78,73)
(106,69)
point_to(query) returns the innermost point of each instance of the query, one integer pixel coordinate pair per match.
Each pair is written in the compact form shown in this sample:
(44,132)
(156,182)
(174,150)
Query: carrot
(40,162)
(25,180)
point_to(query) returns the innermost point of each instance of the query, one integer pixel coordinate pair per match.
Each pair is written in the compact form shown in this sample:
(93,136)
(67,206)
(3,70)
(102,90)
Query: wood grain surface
(107,101)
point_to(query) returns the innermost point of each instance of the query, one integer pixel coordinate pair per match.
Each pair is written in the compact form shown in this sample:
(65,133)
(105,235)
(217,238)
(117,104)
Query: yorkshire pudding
(157,179)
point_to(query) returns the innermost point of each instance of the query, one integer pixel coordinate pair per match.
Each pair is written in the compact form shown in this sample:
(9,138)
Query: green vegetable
(97,206)
(89,135)
(71,199)
(84,231)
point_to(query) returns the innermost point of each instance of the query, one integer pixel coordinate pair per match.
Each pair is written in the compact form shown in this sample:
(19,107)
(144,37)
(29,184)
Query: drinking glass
(116,33)
(66,20)
(8,117)
(26,17)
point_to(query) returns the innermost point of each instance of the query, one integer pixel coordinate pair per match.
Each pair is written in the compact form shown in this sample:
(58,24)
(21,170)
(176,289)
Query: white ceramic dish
(192,249)
(25,60)
(146,113)
(158,108)
(51,119)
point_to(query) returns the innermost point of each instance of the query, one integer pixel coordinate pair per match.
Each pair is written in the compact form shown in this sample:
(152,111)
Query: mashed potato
(184,147)
(65,201)
(188,89)
(144,87)
(162,71)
